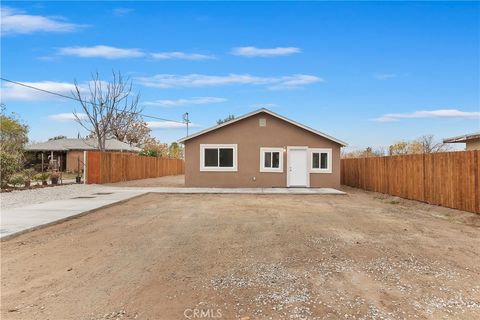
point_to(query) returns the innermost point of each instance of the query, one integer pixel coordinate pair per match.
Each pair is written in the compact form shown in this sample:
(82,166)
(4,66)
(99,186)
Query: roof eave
(454,141)
(340,142)
(462,139)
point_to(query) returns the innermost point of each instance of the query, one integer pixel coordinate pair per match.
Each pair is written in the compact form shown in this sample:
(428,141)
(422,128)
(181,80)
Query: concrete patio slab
(15,221)
(318,191)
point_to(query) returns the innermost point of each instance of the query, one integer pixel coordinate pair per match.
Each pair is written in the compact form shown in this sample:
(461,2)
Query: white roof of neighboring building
(270,113)
(80,144)
(463,139)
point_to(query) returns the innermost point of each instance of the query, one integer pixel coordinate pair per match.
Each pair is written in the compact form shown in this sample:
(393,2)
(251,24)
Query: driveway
(171,256)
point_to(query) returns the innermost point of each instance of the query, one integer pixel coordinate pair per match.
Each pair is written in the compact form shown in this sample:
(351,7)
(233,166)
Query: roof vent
(262,122)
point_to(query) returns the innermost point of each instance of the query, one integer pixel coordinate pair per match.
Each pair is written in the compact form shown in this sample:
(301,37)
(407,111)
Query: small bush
(42,176)
(9,165)
(29,174)
(17,179)
(149,153)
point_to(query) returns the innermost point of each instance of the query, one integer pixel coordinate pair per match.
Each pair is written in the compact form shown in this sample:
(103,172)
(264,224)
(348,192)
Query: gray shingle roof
(80,144)
(464,138)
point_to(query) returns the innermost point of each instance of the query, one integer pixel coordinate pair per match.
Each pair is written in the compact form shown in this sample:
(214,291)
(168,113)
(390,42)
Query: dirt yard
(168,181)
(360,256)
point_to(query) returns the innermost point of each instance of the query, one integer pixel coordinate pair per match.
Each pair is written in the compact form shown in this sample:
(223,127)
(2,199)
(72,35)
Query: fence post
(477,180)
(85,167)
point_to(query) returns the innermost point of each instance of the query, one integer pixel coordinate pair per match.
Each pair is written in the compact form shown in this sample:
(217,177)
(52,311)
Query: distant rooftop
(80,144)
(463,139)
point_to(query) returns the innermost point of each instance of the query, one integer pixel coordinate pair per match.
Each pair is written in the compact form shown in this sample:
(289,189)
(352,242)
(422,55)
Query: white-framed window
(320,160)
(218,157)
(271,159)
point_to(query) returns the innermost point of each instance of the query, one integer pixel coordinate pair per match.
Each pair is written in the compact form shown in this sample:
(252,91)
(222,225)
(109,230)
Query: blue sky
(367,73)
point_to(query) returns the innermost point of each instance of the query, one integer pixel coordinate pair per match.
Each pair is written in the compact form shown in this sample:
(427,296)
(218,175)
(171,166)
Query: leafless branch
(103,103)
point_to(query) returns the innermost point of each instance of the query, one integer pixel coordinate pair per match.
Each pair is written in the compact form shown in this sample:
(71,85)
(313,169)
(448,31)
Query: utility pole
(185,119)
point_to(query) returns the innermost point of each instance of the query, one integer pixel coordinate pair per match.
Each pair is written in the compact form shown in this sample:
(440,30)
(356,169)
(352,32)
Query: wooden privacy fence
(449,179)
(107,167)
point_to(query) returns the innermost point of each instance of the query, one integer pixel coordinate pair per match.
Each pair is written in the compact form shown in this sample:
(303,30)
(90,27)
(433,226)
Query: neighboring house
(262,149)
(472,141)
(66,152)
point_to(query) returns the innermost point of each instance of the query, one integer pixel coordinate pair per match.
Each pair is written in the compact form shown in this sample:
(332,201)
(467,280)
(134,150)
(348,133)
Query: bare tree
(103,103)
(429,145)
(368,152)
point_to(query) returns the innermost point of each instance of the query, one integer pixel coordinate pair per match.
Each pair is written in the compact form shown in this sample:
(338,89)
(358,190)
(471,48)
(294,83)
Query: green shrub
(42,176)
(149,153)
(29,174)
(9,165)
(17,180)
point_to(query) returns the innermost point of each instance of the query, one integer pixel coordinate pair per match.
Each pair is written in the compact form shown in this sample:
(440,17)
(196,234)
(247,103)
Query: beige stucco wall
(473,144)
(249,137)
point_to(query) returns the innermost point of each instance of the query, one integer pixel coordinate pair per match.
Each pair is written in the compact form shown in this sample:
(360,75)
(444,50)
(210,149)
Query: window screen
(275,159)
(319,160)
(268,160)
(211,157)
(323,161)
(315,160)
(271,159)
(226,157)
(218,157)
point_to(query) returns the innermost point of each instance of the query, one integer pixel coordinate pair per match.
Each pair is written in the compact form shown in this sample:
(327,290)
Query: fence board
(450,179)
(108,167)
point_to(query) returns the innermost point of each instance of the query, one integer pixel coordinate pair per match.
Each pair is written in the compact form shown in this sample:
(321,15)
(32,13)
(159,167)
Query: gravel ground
(17,199)
(359,256)
(22,198)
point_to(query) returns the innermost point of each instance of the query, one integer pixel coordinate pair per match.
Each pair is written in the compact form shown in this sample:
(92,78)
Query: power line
(78,100)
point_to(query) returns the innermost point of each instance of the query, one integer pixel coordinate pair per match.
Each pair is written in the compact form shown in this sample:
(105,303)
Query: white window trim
(218,146)
(329,160)
(262,160)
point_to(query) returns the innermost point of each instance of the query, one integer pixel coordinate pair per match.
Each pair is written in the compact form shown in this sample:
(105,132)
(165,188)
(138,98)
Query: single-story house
(262,149)
(472,140)
(67,152)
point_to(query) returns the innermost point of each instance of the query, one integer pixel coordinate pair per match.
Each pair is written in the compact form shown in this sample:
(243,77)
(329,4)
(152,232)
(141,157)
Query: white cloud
(441,113)
(266,52)
(66,117)
(296,81)
(200,80)
(169,125)
(18,22)
(101,51)
(180,55)
(184,102)
(121,12)
(14,92)
(385,76)
(109,52)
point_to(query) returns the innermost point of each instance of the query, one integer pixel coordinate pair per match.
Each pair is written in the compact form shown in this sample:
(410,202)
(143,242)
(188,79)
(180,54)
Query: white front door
(297,167)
